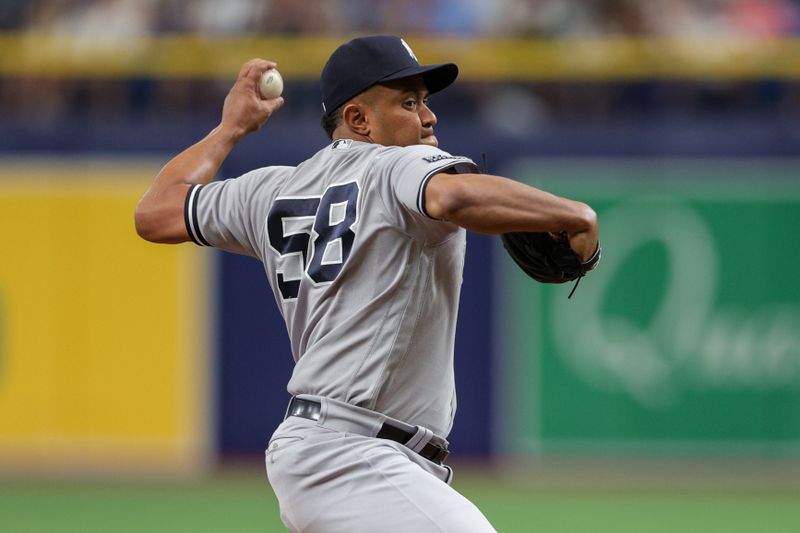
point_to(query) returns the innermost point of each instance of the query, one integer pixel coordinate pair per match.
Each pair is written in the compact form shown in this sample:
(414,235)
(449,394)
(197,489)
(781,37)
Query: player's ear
(354,116)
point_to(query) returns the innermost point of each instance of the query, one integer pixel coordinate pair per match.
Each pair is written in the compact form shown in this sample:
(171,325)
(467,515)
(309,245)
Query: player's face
(400,113)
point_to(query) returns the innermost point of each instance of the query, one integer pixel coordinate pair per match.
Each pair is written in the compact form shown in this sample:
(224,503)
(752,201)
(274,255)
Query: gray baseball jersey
(367,282)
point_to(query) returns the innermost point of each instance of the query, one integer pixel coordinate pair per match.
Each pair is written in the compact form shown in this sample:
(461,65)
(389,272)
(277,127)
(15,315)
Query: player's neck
(347,134)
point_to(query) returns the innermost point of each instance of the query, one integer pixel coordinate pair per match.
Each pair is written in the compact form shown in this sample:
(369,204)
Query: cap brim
(436,77)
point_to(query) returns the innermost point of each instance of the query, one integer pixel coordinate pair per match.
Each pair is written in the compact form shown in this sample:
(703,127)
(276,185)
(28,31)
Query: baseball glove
(548,257)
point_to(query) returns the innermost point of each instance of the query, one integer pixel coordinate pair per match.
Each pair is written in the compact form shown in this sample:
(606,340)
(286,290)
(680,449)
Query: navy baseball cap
(363,62)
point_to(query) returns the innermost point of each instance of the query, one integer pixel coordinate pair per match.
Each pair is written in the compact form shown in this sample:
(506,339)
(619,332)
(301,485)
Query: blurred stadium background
(139,384)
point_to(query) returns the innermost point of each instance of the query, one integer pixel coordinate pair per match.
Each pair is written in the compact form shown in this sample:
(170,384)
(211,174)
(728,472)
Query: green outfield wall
(687,337)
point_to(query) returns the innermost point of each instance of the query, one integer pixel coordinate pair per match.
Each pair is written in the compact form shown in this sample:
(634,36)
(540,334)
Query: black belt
(391,430)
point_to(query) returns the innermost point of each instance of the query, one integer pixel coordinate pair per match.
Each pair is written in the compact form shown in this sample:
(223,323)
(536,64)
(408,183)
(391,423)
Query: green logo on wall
(686,337)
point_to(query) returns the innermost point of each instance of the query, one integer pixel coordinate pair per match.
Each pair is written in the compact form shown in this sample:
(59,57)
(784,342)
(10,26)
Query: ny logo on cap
(410,51)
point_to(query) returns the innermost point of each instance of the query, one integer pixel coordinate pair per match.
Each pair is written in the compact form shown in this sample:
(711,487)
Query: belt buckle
(308,409)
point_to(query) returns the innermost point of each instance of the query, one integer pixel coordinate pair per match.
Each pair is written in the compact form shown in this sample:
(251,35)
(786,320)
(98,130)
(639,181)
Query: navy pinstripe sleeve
(409,170)
(190,216)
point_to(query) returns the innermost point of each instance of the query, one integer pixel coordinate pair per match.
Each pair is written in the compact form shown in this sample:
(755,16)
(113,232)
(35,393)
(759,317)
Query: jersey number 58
(319,227)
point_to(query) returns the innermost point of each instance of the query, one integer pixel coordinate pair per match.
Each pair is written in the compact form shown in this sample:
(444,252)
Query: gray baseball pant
(333,475)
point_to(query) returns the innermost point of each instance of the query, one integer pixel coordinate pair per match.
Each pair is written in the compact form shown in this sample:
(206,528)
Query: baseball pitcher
(363,246)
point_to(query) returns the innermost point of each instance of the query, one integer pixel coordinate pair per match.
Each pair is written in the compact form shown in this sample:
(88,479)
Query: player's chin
(430,140)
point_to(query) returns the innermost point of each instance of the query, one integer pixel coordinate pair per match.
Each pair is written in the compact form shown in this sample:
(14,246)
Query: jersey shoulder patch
(442,157)
(342,144)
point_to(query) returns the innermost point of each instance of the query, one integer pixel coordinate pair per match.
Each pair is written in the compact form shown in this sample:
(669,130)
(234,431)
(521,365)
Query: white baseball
(271,84)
